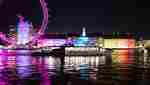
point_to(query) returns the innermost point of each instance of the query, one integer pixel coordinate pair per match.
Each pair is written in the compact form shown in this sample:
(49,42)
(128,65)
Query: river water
(124,68)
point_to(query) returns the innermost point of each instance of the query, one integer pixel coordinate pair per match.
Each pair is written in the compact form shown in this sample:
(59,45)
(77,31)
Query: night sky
(72,15)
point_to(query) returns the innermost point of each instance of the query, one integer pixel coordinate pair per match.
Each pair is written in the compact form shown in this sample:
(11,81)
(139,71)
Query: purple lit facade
(22,32)
(51,42)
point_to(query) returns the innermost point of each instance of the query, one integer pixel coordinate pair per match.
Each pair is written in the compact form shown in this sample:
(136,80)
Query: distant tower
(84,31)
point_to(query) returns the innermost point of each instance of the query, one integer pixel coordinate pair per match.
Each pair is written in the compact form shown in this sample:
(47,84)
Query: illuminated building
(25,33)
(22,62)
(22,31)
(69,41)
(146,43)
(84,51)
(119,43)
(12,33)
(140,43)
(100,42)
(51,42)
(81,41)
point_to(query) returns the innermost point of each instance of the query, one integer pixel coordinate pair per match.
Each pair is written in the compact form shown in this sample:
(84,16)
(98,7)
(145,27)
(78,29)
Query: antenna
(83,31)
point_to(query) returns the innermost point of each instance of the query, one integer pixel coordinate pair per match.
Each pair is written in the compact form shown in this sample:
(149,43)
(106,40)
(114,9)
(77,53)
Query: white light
(83,31)
(81,49)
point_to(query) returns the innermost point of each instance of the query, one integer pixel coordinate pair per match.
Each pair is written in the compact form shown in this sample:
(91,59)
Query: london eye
(43,25)
(44,20)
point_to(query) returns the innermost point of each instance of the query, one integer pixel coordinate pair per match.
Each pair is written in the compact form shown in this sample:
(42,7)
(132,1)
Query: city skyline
(71,16)
(74,42)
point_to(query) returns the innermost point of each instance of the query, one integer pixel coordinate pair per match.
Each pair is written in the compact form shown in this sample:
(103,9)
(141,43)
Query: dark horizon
(71,16)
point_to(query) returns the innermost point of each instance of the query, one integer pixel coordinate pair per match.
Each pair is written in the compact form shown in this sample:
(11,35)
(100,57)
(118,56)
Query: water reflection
(111,69)
(78,60)
(23,65)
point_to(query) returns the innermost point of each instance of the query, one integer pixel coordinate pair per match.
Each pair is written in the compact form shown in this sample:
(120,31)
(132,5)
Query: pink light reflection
(23,62)
(2,61)
(40,63)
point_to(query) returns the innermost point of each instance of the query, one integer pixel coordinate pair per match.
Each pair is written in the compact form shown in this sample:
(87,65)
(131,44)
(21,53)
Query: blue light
(83,38)
(81,41)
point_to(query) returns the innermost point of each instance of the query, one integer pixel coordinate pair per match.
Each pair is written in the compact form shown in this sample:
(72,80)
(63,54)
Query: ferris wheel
(44,20)
(43,26)
(45,16)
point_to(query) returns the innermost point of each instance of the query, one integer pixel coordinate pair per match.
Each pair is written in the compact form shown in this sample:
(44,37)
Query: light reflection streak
(121,56)
(2,62)
(23,63)
(11,61)
(83,71)
(83,64)
(7,62)
(51,62)
(89,60)
(41,62)
(2,82)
